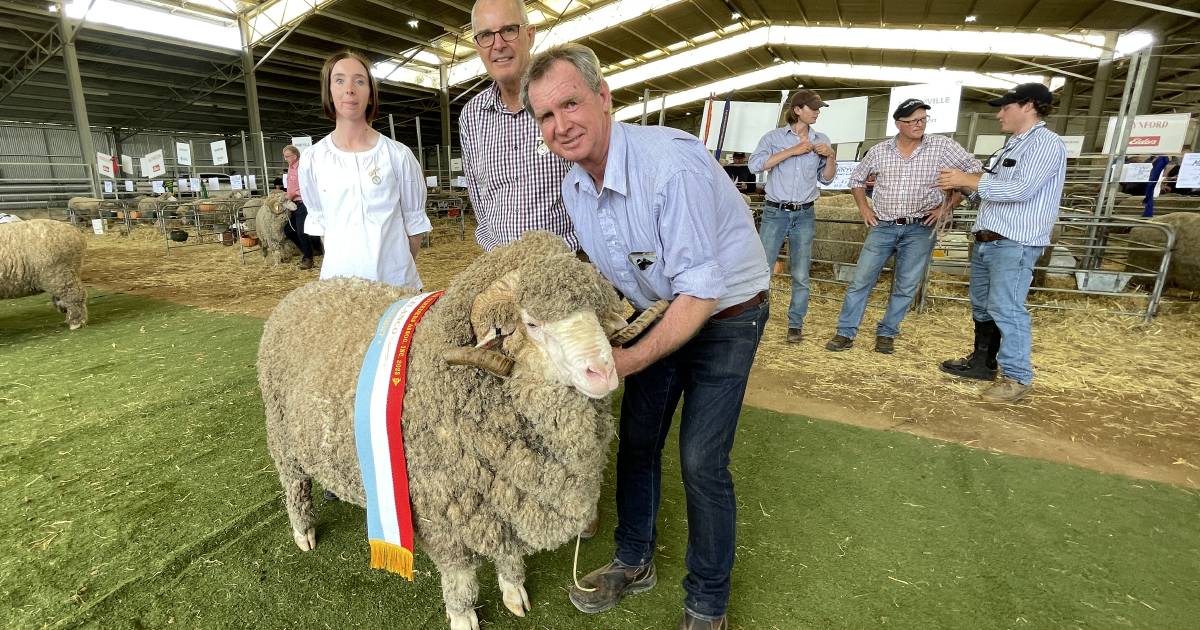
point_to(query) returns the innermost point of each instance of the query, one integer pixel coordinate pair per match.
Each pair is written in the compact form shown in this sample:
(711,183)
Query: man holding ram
(654,211)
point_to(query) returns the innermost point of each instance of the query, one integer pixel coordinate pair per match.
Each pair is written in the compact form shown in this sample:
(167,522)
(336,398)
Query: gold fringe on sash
(394,558)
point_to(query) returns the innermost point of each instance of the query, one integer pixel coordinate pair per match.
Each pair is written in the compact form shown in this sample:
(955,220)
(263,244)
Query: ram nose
(599,377)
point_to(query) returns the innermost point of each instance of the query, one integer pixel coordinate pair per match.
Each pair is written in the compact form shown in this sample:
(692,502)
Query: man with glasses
(902,214)
(514,181)
(1020,190)
(798,157)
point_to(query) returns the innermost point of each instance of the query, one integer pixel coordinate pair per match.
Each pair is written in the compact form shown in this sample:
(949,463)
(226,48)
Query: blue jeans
(798,227)
(912,245)
(294,230)
(1001,272)
(710,373)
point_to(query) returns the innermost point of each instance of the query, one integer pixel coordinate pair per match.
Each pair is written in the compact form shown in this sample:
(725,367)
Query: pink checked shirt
(904,187)
(514,181)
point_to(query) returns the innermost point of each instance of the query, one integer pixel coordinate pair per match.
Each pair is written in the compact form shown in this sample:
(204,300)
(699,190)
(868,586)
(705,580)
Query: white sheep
(270,215)
(505,446)
(41,255)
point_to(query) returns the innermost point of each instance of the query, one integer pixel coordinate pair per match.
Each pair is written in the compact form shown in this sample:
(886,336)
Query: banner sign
(157,187)
(1158,134)
(1189,171)
(943,98)
(104,164)
(108,187)
(128,185)
(219,154)
(253,182)
(194,184)
(841,181)
(214,184)
(183,154)
(235,182)
(183,184)
(1074,145)
(1136,172)
(127,165)
(155,165)
(302,142)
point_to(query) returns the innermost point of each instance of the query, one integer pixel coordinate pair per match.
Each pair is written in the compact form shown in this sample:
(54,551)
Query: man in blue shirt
(798,157)
(1021,189)
(661,220)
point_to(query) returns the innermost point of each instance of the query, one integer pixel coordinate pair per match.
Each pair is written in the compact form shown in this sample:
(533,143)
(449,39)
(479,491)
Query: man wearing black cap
(798,157)
(1020,188)
(906,207)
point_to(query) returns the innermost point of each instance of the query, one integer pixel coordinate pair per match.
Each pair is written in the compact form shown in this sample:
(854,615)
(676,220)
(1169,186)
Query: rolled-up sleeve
(688,221)
(310,192)
(758,159)
(412,194)
(865,169)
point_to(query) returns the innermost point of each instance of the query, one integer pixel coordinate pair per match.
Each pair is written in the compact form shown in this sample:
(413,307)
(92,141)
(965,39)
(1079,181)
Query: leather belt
(908,220)
(789,206)
(987,236)
(738,309)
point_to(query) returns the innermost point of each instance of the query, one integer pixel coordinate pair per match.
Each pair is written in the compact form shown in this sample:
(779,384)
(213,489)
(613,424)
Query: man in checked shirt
(514,181)
(907,205)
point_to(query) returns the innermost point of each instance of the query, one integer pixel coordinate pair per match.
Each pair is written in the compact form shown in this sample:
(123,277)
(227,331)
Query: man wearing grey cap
(798,157)
(1020,188)
(902,214)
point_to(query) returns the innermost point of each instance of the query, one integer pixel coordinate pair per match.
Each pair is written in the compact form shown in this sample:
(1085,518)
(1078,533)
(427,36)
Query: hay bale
(1184,269)
(839,207)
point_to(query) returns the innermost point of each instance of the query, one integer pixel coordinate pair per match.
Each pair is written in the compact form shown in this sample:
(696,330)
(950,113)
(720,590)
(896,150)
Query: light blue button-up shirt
(667,221)
(1022,192)
(793,180)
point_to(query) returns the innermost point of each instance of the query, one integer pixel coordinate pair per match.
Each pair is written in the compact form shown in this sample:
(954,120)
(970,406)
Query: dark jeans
(710,373)
(294,229)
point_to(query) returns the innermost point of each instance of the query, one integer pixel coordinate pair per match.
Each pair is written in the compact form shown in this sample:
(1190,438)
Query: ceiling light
(778,60)
(1133,41)
(413,23)
(943,68)
(970,18)
(735,16)
(687,113)
(53,8)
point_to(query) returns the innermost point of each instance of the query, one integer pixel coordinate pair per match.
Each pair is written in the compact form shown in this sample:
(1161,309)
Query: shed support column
(87,148)
(1099,89)
(256,133)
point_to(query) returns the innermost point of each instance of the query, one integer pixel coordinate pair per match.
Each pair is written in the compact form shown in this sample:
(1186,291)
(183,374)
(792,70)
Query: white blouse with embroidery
(365,205)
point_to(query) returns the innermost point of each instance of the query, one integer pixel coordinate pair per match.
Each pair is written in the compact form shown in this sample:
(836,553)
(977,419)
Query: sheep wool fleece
(42,255)
(498,467)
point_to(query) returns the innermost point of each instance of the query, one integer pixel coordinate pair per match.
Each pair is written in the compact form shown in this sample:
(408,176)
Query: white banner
(302,142)
(747,124)
(1136,172)
(145,167)
(989,144)
(108,187)
(235,182)
(431,181)
(104,164)
(194,184)
(1189,171)
(845,120)
(183,154)
(456,165)
(841,181)
(128,185)
(847,151)
(127,165)
(943,98)
(157,187)
(1159,134)
(183,184)
(214,184)
(1074,145)
(219,154)
(253,182)
(155,165)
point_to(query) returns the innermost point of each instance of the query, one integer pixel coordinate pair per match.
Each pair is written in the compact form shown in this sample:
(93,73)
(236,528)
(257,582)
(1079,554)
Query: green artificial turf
(138,493)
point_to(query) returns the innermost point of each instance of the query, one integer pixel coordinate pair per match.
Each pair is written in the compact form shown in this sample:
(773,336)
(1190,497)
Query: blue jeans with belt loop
(1001,272)
(912,245)
(710,373)
(798,227)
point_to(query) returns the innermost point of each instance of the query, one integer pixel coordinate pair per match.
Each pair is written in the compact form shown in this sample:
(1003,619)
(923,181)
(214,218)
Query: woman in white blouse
(365,193)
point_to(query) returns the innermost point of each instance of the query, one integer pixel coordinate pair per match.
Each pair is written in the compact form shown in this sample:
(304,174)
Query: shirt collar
(615,178)
(492,100)
(1028,132)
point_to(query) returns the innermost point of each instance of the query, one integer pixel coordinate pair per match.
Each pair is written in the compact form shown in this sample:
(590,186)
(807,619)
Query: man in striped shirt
(907,205)
(1021,189)
(514,181)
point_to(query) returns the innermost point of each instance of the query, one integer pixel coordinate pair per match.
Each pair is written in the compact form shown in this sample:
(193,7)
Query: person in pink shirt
(295,227)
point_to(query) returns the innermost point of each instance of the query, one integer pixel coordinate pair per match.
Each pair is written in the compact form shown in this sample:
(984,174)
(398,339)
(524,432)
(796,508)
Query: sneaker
(839,343)
(795,335)
(692,622)
(1006,390)
(885,345)
(306,263)
(609,584)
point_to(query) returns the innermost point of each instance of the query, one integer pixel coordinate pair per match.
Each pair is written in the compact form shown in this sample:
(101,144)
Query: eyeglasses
(915,121)
(508,33)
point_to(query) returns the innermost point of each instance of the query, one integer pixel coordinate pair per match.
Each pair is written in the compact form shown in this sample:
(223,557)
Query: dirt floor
(1112,394)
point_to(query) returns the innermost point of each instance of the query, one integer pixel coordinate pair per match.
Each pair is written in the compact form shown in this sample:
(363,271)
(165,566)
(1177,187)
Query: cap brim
(1002,101)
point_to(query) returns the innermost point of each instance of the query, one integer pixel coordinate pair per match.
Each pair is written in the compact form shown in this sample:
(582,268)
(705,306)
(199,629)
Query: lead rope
(575,567)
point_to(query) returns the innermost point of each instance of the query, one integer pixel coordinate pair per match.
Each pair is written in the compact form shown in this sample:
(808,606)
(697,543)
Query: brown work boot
(1005,390)
(607,585)
(306,263)
(692,622)
(885,345)
(839,343)
(795,335)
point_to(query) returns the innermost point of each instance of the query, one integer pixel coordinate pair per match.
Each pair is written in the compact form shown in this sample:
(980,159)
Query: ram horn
(487,360)
(637,326)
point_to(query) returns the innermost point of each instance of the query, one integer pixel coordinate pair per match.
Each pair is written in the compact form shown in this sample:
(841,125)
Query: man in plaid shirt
(907,206)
